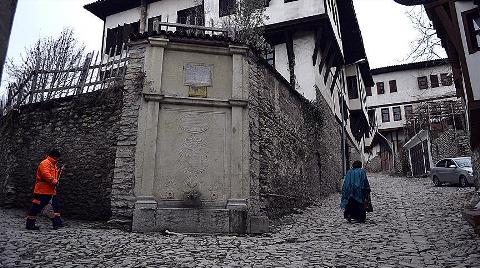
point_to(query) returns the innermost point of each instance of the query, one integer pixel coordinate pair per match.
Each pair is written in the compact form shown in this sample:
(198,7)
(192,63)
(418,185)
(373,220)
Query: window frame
(434,77)
(397,116)
(470,32)
(380,92)
(382,112)
(270,60)
(446,79)
(352,87)
(420,83)
(439,162)
(393,86)
(151,23)
(408,114)
(228,10)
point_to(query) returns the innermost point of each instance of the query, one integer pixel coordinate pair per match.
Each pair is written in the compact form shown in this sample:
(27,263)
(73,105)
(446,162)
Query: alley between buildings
(413,225)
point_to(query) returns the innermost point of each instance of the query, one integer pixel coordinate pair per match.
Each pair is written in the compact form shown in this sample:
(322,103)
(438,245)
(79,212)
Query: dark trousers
(39,202)
(355,210)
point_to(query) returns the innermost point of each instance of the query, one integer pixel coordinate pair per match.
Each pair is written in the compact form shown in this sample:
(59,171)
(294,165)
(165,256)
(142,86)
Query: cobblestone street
(414,225)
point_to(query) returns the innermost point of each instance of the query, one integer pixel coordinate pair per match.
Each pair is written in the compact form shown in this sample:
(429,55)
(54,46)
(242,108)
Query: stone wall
(374,164)
(84,128)
(295,145)
(450,143)
(123,196)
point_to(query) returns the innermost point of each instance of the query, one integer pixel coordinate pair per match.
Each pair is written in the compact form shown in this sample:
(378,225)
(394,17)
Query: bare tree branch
(247,23)
(427,45)
(60,53)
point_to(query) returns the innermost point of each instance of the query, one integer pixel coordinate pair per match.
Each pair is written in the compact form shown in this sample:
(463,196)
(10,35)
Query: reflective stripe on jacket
(46,177)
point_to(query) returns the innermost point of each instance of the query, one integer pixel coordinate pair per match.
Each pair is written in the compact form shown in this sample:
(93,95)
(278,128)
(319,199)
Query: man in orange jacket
(45,191)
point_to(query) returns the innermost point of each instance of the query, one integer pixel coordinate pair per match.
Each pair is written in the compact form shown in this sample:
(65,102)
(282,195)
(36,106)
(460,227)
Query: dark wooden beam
(325,54)
(335,77)
(318,39)
(329,66)
(291,57)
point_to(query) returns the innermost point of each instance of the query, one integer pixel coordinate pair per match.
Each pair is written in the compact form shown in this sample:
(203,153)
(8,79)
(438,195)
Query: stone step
(472,216)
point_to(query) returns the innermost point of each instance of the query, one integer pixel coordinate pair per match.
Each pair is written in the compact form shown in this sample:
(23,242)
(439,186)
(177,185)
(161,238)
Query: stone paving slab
(414,225)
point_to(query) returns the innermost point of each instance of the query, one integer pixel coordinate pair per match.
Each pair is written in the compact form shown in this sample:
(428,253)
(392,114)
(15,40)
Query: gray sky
(385,28)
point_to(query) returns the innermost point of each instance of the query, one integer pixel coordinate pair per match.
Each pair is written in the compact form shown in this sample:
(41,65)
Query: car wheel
(463,181)
(436,181)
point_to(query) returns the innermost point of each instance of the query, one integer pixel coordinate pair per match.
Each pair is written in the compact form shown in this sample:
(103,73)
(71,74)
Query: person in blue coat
(356,193)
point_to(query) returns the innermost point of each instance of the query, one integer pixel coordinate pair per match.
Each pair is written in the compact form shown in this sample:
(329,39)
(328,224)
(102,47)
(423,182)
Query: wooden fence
(94,71)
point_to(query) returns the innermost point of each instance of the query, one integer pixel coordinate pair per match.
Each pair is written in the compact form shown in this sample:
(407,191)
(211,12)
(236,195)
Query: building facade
(398,92)
(457,25)
(316,45)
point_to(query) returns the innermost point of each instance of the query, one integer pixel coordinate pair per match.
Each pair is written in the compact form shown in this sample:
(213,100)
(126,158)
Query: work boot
(31,225)
(57,223)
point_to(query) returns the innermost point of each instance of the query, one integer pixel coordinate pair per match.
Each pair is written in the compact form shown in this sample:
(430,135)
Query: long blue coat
(355,186)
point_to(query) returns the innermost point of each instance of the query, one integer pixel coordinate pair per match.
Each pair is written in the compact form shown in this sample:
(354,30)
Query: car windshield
(464,162)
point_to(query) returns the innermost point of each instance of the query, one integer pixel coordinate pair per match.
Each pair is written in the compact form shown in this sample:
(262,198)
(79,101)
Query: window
(441,163)
(153,23)
(385,115)
(450,163)
(226,7)
(192,16)
(471,23)
(393,85)
(408,111)
(369,91)
(434,80)
(118,36)
(422,82)
(446,79)
(352,87)
(380,88)
(270,57)
(397,113)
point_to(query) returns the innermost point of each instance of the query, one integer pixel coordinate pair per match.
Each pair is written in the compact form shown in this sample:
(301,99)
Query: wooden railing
(93,72)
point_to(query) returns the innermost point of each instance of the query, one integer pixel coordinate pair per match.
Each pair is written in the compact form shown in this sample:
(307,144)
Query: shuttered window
(153,23)
(226,7)
(397,113)
(446,79)
(393,86)
(434,80)
(380,88)
(385,115)
(422,82)
(118,36)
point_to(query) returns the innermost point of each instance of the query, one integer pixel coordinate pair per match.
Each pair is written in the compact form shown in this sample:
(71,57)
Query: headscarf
(355,185)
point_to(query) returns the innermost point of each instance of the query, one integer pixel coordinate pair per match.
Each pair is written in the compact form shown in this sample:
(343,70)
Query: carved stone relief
(192,152)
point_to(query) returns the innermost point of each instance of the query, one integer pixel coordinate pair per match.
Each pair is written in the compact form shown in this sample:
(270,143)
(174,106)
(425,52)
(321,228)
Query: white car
(454,171)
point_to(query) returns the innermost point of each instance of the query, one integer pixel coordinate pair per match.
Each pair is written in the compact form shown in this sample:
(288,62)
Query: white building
(398,90)
(317,46)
